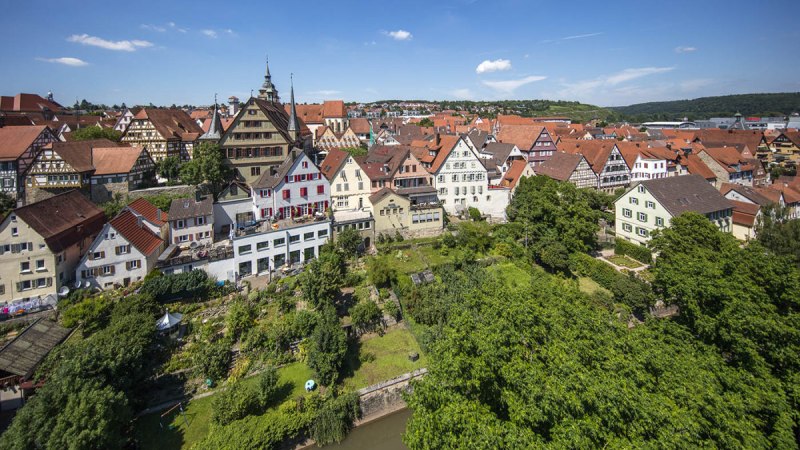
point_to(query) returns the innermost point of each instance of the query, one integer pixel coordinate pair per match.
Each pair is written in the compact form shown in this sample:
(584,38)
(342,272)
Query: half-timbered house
(19,146)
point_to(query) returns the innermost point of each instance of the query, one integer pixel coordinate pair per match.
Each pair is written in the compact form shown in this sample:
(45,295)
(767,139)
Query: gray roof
(22,355)
(271,180)
(499,151)
(478,138)
(686,193)
(184,208)
(168,320)
(214,132)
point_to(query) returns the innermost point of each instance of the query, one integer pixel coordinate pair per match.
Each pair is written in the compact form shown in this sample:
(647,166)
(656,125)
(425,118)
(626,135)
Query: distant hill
(780,104)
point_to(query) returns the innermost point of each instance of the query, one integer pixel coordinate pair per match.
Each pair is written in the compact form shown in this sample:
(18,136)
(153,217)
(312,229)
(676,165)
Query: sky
(604,53)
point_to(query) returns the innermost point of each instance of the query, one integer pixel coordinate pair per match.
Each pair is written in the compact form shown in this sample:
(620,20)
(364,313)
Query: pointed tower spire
(215,131)
(268,90)
(293,127)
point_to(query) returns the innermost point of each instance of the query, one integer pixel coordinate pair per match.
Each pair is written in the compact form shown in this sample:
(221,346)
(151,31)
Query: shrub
(213,360)
(194,285)
(267,386)
(637,252)
(475,214)
(240,318)
(627,289)
(335,419)
(366,315)
(233,403)
(392,309)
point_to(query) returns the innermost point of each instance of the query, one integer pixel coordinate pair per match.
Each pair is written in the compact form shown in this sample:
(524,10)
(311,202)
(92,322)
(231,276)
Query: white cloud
(67,61)
(145,26)
(632,74)
(462,94)
(509,86)
(125,46)
(493,66)
(176,27)
(682,49)
(399,35)
(210,33)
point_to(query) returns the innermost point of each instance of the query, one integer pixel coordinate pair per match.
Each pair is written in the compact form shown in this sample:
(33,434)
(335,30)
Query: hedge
(627,289)
(637,252)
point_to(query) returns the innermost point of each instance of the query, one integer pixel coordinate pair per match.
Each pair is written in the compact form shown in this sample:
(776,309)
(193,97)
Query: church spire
(293,127)
(268,90)
(215,131)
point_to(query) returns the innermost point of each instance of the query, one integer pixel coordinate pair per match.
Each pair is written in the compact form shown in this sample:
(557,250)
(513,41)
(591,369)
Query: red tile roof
(596,151)
(696,166)
(332,162)
(523,136)
(148,211)
(171,123)
(27,102)
(136,233)
(514,173)
(15,140)
(63,219)
(113,160)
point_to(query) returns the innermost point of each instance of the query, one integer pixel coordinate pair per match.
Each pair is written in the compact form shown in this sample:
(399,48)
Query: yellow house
(394,213)
(41,243)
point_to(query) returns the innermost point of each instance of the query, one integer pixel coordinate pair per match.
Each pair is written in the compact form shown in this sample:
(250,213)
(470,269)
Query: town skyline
(461,50)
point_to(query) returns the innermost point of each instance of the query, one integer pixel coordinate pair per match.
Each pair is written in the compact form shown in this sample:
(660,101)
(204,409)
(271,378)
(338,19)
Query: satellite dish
(86,284)
(78,284)
(63,291)
(193,245)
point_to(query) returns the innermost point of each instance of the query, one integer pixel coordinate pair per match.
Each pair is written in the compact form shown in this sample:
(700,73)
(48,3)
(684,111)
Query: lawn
(176,434)
(379,358)
(511,274)
(624,261)
(589,286)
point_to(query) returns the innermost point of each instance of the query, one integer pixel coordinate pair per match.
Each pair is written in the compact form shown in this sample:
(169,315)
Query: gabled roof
(63,219)
(15,140)
(560,166)
(696,166)
(136,233)
(478,138)
(754,195)
(523,136)
(383,161)
(149,211)
(23,354)
(446,145)
(184,208)
(276,115)
(359,125)
(728,157)
(333,109)
(499,151)
(514,173)
(28,102)
(595,151)
(384,192)
(686,193)
(113,160)
(78,154)
(333,162)
(268,180)
(744,213)
(793,136)
(713,137)
(171,123)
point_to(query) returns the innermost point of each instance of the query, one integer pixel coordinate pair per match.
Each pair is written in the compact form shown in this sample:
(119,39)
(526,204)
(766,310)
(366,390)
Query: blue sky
(606,53)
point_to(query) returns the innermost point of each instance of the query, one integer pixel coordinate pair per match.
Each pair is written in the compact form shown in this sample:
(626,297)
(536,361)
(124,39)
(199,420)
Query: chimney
(139,221)
(197,196)
(158,214)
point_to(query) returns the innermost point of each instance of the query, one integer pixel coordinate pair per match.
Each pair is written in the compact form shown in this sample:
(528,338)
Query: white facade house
(273,246)
(652,204)
(350,185)
(124,252)
(296,189)
(461,181)
(191,221)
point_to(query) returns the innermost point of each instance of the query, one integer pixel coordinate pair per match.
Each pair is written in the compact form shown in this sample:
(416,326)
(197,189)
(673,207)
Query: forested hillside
(780,104)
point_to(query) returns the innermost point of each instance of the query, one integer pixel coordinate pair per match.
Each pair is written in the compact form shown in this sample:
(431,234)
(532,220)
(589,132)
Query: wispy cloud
(632,74)
(176,27)
(606,84)
(493,66)
(683,49)
(149,27)
(124,46)
(509,86)
(569,38)
(325,92)
(399,35)
(213,34)
(462,94)
(66,60)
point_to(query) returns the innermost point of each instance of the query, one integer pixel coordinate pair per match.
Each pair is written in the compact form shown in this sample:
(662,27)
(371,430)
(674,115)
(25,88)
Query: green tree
(328,347)
(213,360)
(355,151)
(267,386)
(208,169)
(234,402)
(366,315)
(380,273)
(323,277)
(7,203)
(169,168)
(778,233)
(348,241)
(425,122)
(335,419)
(87,133)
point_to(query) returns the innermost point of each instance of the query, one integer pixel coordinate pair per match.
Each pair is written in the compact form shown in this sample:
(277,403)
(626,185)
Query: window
(255,171)
(14,231)
(308,236)
(200,220)
(107,270)
(40,265)
(279,242)
(123,249)
(641,232)
(180,224)
(305,164)
(98,255)
(322,233)
(286,194)
(293,238)
(626,212)
(642,217)
(634,200)
(627,227)
(24,267)
(321,189)
(649,204)
(640,188)
(245,249)
(659,221)
(135,264)
(304,191)
(262,246)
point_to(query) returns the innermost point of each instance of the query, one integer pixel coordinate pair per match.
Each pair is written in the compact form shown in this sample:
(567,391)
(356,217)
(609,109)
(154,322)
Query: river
(384,434)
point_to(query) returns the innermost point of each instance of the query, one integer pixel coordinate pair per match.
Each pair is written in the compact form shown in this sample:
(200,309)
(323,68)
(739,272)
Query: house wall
(107,242)
(14,232)
(271,202)
(583,176)
(463,170)
(225,212)
(615,172)
(268,251)
(394,213)
(542,149)
(196,229)
(350,187)
(648,169)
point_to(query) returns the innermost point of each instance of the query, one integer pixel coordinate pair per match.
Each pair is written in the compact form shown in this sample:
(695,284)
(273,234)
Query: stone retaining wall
(386,397)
